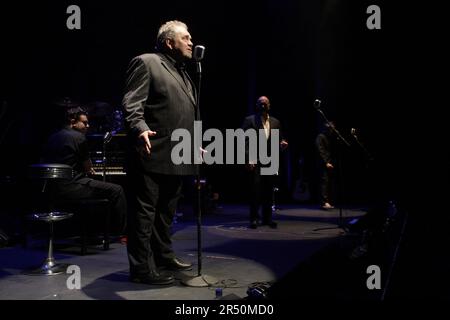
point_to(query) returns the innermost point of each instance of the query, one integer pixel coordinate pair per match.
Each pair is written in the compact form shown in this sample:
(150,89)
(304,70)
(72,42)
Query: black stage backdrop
(389,84)
(290,50)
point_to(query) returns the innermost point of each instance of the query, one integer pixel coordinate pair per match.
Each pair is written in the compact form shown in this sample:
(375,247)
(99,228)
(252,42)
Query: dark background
(292,51)
(389,83)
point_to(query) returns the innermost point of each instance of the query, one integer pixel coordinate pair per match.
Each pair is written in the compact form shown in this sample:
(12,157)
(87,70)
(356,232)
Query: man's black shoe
(153,277)
(253,225)
(174,264)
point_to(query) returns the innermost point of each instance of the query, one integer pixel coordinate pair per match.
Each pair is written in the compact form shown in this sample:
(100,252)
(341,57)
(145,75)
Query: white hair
(167,31)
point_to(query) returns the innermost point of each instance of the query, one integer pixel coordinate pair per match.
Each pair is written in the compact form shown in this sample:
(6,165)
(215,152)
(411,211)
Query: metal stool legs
(49,266)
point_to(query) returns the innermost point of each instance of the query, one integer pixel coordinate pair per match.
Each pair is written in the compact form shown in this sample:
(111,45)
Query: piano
(114,154)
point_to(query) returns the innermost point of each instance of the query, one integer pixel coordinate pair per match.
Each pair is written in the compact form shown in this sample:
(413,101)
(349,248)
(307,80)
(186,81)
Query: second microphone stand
(106,139)
(340,139)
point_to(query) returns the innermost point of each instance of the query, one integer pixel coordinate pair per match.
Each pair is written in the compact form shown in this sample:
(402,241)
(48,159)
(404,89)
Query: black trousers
(155,197)
(261,195)
(326,186)
(87,188)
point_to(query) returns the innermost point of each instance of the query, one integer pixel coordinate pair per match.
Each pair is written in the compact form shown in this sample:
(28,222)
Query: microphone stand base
(200,281)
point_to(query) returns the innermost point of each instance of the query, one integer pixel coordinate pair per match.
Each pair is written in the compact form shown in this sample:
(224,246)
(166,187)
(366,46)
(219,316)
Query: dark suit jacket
(323,149)
(157,98)
(255,122)
(68,146)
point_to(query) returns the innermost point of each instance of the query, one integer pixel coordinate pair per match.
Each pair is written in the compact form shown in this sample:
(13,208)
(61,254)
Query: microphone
(107,137)
(199,53)
(317,103)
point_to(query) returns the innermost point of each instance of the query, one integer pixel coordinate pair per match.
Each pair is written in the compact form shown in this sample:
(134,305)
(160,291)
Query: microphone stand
(104,160)
(200,280)
(339,165)
(106,139)
(366,152)
(369,164)
(340,137)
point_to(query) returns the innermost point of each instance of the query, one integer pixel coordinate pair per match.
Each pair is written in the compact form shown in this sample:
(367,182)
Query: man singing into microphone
(159,98)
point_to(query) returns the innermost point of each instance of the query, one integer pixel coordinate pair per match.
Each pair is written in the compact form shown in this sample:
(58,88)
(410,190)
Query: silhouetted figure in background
(261,186)
(325,145)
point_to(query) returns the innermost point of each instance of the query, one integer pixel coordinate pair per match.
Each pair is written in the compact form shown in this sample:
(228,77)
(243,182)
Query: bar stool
(46,173)
(49,266)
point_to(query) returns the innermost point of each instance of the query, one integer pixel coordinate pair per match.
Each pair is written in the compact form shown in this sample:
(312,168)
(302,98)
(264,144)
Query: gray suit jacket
(157,98)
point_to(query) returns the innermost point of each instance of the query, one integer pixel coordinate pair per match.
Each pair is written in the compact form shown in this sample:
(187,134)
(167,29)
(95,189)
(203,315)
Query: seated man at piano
(69,146)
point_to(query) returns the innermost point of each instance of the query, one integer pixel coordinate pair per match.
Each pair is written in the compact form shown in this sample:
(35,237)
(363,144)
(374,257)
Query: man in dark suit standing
(159,98)
(325,145)
(262,185)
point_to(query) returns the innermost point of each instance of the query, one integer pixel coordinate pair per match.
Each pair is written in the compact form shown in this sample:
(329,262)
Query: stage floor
(234,254)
